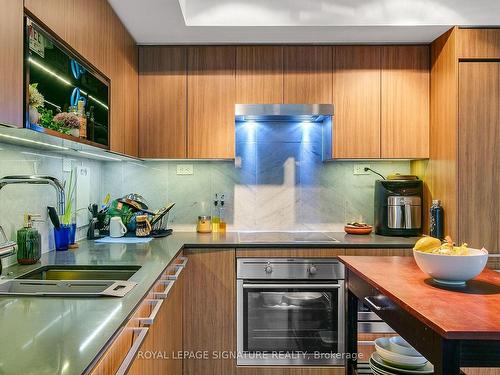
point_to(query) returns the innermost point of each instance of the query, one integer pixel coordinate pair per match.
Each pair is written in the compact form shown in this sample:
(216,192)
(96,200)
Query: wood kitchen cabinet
(11,63)
(405,102)
(307,75)
(92,29)
(211,99)
(210,309)
(259,75)
(357,100)
(162,102)
(478,154)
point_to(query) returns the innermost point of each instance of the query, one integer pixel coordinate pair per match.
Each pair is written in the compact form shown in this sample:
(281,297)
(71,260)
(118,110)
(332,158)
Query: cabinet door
(405,102)
(209,310)
(356,96)
(259,75)
(162,102)
(11,63)
(211,100)
(307,74)
(478,154)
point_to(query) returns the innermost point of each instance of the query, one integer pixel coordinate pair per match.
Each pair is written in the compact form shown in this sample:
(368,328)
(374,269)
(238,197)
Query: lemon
(426,244)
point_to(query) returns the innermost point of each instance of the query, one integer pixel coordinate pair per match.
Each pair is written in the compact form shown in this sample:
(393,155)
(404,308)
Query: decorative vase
(34,115)
(75,132)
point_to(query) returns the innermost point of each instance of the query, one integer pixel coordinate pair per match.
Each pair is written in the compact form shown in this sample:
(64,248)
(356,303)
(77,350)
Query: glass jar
(204,224)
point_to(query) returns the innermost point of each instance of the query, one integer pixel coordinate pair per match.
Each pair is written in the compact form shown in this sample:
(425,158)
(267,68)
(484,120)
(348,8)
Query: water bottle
(436,220)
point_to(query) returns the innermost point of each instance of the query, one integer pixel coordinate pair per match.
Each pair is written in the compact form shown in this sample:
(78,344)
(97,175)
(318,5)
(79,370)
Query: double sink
(72,281)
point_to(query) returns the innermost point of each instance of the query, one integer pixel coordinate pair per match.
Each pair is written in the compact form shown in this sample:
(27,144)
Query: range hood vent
(283,112)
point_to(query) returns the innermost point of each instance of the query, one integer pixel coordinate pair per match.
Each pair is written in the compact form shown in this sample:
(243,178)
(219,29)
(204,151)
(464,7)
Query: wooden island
(452,327)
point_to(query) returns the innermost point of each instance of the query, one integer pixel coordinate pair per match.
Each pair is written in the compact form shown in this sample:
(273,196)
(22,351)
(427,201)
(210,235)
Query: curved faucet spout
(40,180)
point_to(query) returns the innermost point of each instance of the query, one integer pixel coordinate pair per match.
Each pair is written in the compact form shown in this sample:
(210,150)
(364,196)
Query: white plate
(382,366)
(383,348)
(399,345)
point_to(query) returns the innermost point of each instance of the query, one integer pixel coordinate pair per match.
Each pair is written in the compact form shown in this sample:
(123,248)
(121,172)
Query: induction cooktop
(286,237)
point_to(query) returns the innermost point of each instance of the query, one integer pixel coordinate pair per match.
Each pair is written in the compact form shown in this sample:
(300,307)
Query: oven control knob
(313,270)
(268,268)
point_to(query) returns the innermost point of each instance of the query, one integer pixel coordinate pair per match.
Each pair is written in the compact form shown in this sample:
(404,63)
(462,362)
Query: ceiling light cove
(338,12)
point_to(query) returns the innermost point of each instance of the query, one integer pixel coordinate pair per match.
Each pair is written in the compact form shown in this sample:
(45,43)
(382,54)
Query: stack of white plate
(395,356)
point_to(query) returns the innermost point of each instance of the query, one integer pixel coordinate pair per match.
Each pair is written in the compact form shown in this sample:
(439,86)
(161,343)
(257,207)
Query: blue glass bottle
(436,220)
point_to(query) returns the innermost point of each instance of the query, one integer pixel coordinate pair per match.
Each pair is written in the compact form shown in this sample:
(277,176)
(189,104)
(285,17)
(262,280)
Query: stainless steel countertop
(49,335)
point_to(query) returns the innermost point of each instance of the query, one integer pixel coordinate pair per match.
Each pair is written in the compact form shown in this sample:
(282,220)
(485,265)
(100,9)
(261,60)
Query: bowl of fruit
(446,263)
(358,228)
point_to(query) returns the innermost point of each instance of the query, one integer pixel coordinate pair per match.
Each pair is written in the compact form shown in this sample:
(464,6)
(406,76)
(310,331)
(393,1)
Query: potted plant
(35,101)
(70,121)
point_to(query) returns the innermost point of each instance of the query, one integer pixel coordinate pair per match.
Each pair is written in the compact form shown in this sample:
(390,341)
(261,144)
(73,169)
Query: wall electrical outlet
(184,169)
(360,169)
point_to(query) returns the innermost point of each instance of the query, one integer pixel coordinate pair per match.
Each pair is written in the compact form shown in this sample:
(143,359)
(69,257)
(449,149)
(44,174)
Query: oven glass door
(284,317)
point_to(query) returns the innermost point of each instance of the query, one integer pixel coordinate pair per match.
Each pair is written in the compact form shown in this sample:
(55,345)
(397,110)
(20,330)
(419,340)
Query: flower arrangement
(36,99)
(68,120)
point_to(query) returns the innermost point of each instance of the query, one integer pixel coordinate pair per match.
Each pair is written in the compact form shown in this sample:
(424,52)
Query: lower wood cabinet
(210,310)
(151,341)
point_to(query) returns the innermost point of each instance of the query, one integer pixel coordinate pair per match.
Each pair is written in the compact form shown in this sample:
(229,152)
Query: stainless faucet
(39,180)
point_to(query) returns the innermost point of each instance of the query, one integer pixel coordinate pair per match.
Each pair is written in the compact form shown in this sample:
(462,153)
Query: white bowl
(399,345)
(452,269)
(382,346)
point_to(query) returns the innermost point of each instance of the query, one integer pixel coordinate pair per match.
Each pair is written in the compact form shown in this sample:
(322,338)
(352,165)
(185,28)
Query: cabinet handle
(162,295)
(372,304)
(366,343)
(151,318)
(140,334)
(179,268)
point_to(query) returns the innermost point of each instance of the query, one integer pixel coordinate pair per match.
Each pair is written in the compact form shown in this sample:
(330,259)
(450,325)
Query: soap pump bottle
(29,241)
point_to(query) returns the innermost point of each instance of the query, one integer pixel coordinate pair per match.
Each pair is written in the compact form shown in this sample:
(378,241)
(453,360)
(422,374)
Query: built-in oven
(290,312)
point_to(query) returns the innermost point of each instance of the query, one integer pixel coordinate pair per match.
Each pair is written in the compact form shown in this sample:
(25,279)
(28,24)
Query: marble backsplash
(278,182)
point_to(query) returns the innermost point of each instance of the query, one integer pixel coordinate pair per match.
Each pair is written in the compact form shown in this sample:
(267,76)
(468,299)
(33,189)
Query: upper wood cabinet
(11,63)
(211,100)
(405,102)
(93,30)
(259,75)
(307,74)
(162,102)
(356,96)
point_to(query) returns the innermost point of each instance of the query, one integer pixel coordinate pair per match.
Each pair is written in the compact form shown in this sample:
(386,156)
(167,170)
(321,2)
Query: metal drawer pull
(127,362)
(291,286)
(151,318)
(372,304)
(179,268)
(162,295)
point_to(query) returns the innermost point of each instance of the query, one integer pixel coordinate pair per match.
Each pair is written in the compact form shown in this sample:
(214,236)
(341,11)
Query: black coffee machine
(398,207)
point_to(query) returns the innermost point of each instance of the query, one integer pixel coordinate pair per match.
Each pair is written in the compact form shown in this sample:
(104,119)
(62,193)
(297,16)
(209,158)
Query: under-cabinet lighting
(99,156)
(64,80)
(33,142)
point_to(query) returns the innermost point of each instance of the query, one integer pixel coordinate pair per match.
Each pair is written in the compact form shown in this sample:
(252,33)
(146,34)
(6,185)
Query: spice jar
(204,224)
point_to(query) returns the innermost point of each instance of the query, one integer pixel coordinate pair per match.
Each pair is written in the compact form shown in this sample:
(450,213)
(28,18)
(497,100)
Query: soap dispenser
(29,241)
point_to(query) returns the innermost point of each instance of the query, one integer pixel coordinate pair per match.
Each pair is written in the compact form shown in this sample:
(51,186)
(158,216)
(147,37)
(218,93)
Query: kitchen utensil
(160,213)
(452,269)
(116,227)
(272,298)
(395,359)
(54,217)
(383,367)
(143,226)
(352,229)
(399,345)
(136,201)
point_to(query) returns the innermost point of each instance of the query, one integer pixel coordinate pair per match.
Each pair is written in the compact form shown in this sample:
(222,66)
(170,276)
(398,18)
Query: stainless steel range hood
(283,112)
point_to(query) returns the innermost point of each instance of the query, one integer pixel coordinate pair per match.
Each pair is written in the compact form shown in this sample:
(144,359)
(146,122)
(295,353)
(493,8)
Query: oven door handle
(291,286)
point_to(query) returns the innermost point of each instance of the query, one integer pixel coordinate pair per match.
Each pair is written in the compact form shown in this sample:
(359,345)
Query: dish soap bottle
(436,220)
(29,241)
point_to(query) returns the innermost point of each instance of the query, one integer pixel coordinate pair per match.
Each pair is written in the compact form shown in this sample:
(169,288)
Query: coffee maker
(398,207)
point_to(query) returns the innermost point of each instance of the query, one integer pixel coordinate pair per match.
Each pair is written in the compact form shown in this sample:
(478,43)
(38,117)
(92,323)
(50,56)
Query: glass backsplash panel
(65,96)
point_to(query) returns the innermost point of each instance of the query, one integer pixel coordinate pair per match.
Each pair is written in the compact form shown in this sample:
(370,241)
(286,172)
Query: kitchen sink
(72,281)
(81,273)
